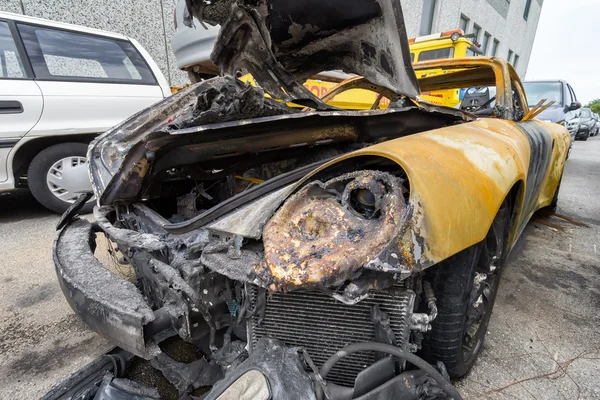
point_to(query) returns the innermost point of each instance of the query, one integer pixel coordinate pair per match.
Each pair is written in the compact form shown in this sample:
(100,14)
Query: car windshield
(536,91)
(586,113)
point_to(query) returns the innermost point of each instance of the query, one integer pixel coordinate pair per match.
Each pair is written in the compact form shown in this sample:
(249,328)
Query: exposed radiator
(322,325)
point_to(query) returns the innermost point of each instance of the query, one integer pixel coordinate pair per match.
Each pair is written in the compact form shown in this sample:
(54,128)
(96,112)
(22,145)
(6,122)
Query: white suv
(60,86)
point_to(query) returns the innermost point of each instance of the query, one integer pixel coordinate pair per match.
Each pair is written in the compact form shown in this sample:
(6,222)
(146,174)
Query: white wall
(513,32)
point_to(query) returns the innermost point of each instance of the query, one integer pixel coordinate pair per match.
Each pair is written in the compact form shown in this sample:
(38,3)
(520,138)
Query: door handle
(10,107)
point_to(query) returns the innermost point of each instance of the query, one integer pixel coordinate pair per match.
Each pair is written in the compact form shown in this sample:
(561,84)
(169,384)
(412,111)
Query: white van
(60,86)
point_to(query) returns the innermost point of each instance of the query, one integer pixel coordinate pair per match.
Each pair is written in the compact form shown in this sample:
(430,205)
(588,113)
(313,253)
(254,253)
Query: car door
(21,100)
(89,82)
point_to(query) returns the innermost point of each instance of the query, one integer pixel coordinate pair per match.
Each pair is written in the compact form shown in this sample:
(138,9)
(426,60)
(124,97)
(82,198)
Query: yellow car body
(460,175)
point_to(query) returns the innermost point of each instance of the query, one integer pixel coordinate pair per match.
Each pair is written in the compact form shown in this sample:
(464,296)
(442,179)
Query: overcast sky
(567,46)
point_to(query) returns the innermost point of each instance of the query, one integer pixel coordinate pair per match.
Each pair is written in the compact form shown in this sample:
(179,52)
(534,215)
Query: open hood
(281,43)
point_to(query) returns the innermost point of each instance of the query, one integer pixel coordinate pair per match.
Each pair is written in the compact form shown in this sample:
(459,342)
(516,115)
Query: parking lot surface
(543,341)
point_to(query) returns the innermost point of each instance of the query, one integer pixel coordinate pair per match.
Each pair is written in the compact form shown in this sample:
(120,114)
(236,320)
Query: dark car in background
(564,111)
(587,124)
(596,128)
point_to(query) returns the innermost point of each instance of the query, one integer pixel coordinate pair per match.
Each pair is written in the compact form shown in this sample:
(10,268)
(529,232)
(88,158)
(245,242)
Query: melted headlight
(327,231)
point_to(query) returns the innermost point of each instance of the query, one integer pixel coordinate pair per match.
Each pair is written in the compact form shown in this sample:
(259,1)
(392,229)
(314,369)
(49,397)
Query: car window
(436,54)
(569,96)
(586,113)
(572,93)
(536,91)
(62,55)
(11,65)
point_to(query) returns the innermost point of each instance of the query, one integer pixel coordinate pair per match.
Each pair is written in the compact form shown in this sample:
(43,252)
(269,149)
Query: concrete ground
(543,341)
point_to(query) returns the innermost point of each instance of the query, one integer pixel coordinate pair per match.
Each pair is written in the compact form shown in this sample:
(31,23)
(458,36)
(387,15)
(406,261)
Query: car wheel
(465,287)
(58,174)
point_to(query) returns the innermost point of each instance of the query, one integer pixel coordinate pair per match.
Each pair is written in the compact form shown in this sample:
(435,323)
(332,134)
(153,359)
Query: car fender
(459,176)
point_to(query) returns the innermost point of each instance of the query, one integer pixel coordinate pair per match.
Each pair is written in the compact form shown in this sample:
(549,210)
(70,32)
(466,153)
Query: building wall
(502,19)
(151,22)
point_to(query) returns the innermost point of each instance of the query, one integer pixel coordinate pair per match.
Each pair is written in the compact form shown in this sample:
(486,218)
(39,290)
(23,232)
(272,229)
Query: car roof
(59,25)
(546,81)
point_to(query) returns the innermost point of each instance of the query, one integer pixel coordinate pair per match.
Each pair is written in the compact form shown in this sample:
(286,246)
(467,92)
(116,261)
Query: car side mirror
(574,106)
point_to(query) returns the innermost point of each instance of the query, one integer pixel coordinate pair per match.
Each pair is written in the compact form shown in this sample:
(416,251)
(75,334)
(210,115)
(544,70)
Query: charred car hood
(280,44)
(284,42)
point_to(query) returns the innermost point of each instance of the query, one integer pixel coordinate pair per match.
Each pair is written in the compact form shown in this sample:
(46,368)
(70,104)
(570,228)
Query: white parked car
(60,86)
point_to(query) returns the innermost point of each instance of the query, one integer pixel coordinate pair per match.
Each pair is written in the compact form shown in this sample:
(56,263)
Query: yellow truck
(450,44)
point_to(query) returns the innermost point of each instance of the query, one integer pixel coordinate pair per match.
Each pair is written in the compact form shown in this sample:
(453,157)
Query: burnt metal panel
(109,305)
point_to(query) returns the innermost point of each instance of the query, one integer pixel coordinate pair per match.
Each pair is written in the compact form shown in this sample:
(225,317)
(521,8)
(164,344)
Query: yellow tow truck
(450,44)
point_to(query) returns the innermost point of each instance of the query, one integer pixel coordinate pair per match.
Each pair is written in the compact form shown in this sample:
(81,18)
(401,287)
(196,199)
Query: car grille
(323,325)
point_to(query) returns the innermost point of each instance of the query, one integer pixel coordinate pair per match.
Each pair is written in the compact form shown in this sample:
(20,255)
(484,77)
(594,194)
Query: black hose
(445,385)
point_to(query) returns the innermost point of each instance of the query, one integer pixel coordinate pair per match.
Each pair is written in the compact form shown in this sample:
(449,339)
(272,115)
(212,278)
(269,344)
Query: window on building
(427,17)
(495,47)
(10,63)
(510,56)
(476,32)
(463,23)
(516,60)
(486,43)
(527,8)
(62,55)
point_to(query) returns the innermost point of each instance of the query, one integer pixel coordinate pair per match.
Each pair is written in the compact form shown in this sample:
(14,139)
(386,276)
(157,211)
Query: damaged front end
(267,238)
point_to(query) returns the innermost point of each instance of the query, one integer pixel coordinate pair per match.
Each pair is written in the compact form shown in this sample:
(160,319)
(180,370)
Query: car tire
(554,204)
(458,287)
(43,165)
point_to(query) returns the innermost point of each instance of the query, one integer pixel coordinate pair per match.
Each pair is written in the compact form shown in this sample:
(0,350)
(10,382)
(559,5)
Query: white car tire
(58,174)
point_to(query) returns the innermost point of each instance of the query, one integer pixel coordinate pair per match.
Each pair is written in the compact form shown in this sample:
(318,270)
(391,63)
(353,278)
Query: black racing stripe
(540,143)
(8,143)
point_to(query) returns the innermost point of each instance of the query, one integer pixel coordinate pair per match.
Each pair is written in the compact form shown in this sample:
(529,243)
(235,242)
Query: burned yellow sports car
(307,252)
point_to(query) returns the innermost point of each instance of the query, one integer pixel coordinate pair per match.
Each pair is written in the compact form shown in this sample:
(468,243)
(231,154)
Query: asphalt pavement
(543,341)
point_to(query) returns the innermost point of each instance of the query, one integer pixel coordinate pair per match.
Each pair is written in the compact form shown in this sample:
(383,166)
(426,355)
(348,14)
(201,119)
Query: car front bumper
(583,131)
(108,304)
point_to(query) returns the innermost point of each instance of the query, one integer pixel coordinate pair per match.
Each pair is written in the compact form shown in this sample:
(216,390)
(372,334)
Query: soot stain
(37,294)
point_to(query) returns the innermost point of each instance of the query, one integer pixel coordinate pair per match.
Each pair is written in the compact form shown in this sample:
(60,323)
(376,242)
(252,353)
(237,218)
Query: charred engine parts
(422,322)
